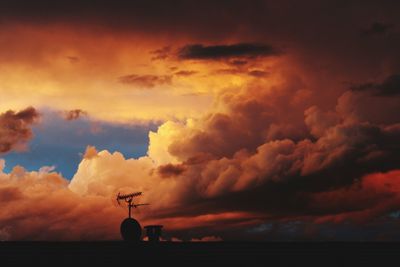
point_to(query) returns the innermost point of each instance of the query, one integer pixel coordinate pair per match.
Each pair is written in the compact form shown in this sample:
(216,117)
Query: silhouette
(153,232)
(130,228)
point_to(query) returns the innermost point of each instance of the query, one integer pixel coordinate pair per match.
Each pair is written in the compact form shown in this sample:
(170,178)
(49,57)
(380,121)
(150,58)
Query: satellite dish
(131,230)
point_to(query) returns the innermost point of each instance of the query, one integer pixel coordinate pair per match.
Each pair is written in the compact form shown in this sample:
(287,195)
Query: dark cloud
(215,52)
(10,193)
(241,71)
(15,128)
(169,170)
(389,87)
(378,28)
(232,71)
(258,154)
(238,62)
(147,16)
(74,114)
(258,73)
(185,72)
(146,81)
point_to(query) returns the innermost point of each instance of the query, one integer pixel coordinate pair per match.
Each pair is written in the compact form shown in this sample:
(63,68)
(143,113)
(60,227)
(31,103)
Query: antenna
(128,198)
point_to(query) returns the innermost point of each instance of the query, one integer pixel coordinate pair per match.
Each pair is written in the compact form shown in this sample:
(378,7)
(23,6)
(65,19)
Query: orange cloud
(52,77)
(146,81)
(39,206)
(372,196)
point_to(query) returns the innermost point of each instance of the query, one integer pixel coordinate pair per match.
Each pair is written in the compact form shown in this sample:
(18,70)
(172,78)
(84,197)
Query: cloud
(238,62)
(232,186)
(318,121)
(263,157)
(170,170)
(258,73)
(162,53)
(288,148)
(216,52)
(378,28)
(185,73)
(90,152)
(226,155)
(389,87)
(241,71)
(230,71)
(146,81)
(372,196)
(44,206)
(74,114)
(15,129)
(8,194)
(73,59)
(254,152)
(39,206)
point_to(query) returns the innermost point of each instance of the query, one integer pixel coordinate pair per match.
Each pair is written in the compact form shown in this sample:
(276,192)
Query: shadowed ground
(199,254)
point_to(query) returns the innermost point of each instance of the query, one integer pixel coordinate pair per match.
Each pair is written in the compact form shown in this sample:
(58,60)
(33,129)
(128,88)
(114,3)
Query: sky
(238,120)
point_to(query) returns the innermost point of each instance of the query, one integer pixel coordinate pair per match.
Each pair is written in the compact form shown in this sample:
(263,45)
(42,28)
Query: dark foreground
(198,254)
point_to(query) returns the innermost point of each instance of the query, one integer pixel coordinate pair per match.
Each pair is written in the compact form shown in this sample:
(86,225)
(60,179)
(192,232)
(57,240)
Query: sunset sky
(239,120)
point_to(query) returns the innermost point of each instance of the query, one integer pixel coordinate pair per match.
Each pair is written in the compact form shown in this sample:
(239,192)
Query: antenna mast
(128,198)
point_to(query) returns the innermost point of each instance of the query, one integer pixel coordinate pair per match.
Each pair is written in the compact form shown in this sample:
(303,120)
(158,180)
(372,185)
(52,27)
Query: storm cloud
(203,52)
(389,87)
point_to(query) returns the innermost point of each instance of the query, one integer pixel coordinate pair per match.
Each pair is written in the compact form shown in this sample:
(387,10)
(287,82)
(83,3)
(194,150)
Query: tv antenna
(128,198)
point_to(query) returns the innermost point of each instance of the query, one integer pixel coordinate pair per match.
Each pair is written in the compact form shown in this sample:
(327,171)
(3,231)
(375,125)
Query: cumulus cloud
(39,206)
(90,152)
(45,206)
(318,121)
(264,156)
(15,129)
(222,170)
(228,153)
(228,161)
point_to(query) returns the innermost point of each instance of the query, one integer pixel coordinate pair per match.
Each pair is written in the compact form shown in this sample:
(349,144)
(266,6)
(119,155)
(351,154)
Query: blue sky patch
(61,143)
